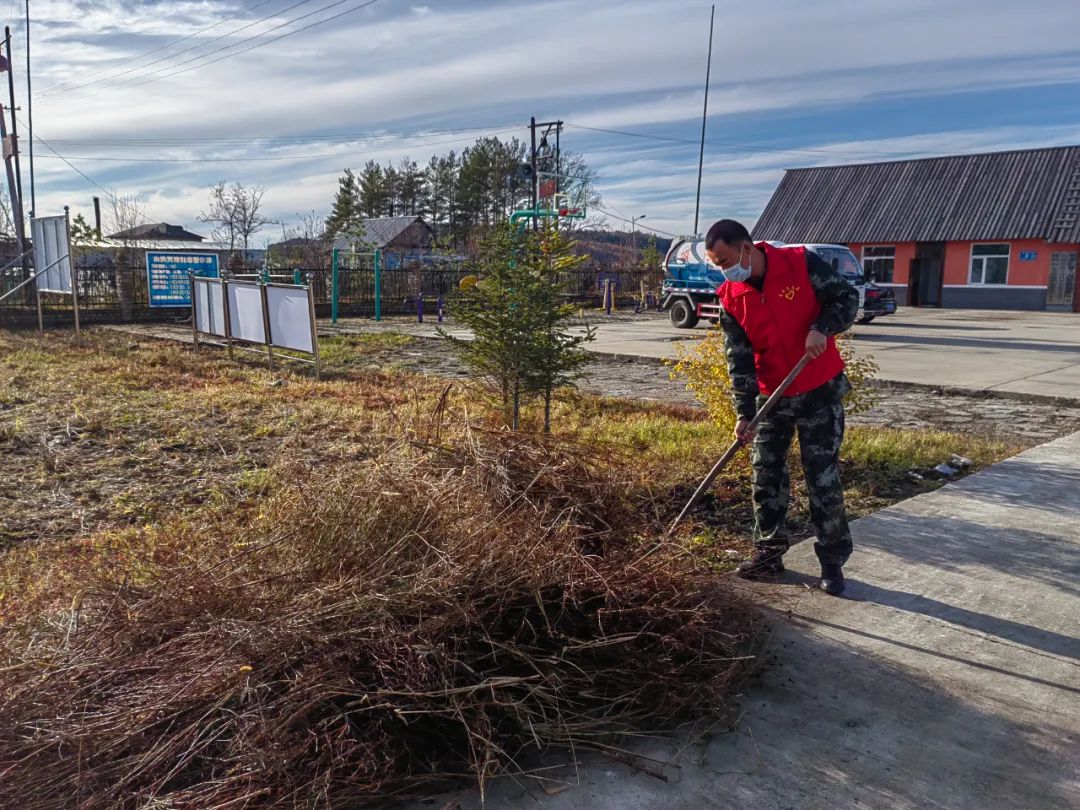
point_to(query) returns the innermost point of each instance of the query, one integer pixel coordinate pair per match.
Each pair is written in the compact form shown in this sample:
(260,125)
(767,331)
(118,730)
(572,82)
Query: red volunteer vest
(777,320)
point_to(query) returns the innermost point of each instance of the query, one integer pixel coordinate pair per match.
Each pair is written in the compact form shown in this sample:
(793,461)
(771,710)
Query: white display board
(209,306)
(246,312)
(290,317)
(51,247)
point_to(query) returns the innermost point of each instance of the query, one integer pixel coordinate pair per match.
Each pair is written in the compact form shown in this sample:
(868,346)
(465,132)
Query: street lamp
(633,233)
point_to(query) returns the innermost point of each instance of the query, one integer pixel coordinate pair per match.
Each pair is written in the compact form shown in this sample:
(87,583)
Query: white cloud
(739,184)
(607,63)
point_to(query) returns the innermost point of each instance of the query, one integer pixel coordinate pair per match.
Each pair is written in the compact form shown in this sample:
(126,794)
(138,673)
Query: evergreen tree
(462,195)
(651,262)
(556,358)
(440,186)
(372,190)
(520,346)
(391,192)
(346,208)
(410,188)
(81,232)
(449,171)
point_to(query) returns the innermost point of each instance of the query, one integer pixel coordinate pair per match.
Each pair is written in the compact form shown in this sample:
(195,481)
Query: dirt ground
(1029,420)
(121,433)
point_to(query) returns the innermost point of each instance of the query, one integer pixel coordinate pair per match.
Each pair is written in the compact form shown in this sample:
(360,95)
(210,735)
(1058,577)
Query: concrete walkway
(948,678)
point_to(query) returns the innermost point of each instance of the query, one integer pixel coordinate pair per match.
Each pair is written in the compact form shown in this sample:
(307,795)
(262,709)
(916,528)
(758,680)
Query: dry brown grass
(431,615)
(219,587)
(118,432)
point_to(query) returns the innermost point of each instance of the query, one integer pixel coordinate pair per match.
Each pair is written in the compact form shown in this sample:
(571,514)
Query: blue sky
(794,83)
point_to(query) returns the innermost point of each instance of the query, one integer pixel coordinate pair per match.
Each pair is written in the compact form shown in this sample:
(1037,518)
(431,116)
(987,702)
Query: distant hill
(614,247)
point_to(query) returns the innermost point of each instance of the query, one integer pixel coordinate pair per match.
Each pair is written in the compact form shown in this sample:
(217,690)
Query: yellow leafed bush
(704,369)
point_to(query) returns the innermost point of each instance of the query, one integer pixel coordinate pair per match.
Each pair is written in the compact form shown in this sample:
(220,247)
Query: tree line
(457,193)
(462,195)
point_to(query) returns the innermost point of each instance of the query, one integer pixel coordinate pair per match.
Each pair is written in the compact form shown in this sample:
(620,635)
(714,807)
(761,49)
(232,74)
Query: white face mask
(738,272)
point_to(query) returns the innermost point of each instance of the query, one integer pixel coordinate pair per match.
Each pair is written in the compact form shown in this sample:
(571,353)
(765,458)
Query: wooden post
(266,326)
(314,332)
(194,317)
(228,317)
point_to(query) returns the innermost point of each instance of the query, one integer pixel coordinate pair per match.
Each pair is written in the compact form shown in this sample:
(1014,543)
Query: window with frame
(989,264)
(878,263)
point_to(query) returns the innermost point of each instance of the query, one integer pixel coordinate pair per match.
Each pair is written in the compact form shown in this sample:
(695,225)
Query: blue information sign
(1028,255)
(168,274)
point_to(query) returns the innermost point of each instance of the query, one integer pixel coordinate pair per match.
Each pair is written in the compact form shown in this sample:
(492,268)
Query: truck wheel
(683,315)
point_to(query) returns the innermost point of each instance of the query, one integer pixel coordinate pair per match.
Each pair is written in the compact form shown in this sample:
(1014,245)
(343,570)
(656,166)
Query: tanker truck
(691,281)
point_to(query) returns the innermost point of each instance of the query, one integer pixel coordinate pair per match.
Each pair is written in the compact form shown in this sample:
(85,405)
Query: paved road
(1017,352)
(1031,353)
(950,677)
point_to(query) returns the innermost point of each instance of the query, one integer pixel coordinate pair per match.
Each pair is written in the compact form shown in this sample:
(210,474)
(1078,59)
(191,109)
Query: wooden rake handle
(729,454)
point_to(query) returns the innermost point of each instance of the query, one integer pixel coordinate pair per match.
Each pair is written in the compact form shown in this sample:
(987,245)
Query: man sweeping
(779,304)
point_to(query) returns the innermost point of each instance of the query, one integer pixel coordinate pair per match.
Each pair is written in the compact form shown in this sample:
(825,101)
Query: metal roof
(179,245)
(1028,194)
(377,232)
(158,231)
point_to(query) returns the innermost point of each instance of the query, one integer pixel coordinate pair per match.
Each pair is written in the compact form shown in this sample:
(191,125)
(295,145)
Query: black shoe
(832,579)
(765,564)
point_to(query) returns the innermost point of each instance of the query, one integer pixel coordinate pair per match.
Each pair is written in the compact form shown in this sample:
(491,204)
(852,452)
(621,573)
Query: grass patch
(117,432)
(876,462)
(381,630)
(333,557)
(355,350)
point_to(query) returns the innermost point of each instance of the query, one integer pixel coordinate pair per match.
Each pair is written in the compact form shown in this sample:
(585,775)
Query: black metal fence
(119,294)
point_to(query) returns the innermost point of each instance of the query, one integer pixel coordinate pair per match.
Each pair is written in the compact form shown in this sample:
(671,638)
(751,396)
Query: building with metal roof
(389,234)
(157,232)
(994,231)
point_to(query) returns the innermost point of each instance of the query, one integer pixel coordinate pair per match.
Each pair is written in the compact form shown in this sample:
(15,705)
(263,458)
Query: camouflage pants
(818,416)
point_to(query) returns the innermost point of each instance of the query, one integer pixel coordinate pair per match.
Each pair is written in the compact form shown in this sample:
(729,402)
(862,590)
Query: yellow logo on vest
(789,292)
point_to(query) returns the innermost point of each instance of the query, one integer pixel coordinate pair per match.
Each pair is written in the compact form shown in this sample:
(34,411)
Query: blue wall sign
(168,274)
(1028,255)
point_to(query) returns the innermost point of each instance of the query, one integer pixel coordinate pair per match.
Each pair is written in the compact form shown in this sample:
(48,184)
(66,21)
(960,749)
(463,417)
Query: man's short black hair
(728,231)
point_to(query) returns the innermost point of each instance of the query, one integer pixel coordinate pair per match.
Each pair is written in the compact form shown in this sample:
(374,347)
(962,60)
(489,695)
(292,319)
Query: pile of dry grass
(428,617)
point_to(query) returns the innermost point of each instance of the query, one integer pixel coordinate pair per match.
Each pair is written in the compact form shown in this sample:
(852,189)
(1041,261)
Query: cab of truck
(690,285)
(873,300)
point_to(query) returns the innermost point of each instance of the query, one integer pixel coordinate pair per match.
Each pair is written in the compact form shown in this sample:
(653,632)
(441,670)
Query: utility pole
(532,163)
(547,126)
(704,119)
(633,235)
(11,96)
(30,114)
(558,156)
(11,152)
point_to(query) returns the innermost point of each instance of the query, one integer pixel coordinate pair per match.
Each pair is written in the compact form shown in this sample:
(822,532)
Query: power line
(76,169)
(197,46)
(344,137)
(738,146)
(326,156)
(278,38)
(201,64)
(617,210)
(637,222)
(50,90)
